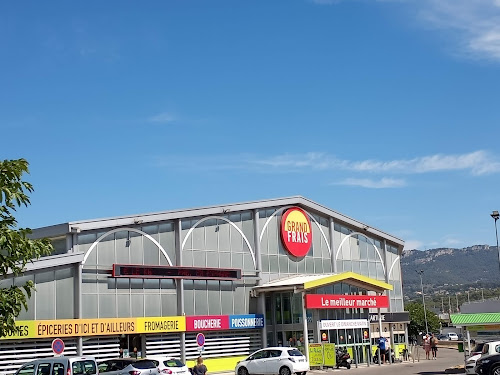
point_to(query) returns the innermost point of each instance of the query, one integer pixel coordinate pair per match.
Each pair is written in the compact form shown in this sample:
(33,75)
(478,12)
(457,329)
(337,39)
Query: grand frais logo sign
(296,232)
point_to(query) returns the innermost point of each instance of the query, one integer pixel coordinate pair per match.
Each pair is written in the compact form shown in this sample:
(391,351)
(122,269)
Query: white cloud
(475,22)
(477,163)
(413,245)
(163,118)
(383,183)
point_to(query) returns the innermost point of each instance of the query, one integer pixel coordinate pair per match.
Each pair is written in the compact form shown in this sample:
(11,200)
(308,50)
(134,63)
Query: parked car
(278,360)
(60,366)
(452,336)
(169,365)
(487,348)
(128,366)
(488,365)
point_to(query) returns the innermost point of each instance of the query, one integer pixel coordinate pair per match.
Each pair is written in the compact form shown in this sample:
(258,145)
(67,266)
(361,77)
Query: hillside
(448,270)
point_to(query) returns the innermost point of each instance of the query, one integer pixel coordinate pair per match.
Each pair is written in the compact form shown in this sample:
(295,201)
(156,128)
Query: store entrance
(355,340)
(131,346)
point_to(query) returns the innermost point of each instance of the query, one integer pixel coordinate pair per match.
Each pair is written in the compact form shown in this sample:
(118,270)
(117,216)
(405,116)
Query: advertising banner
(339,324)
(329,355)
(246,321)
(315,355)
(341,301)
(207,323)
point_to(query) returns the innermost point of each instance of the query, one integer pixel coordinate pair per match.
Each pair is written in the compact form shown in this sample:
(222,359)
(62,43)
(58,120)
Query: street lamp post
(495,215)
(423,299)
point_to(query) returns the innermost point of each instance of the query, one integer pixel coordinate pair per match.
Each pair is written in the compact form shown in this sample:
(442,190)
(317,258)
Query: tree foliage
(417,319)
(16,249)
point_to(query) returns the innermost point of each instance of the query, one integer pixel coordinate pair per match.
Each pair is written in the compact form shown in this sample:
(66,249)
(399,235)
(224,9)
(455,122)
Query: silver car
(128,366)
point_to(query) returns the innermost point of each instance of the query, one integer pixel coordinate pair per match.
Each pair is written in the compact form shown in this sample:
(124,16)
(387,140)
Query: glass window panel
(240,301)
(45,293)
(122,247)
(135,248)
(327,266)
(301,266)
(89,306)
(318,265)
(152,305)
(272,236)
(201,302)
(224,241)
(274,263)
(225,260)
(123,304)
(237,260)
(283,263)
(168,305)
(213,259)
(107,306)
(364,268)
(293,266)
(199,237)
(64,294)
(265,263)
(122,286)
(226,298)
(151,252)
(167,241)
(136,284)
(309,265)
(20,281)
(356,266)
(214,300)
(187,258)
(236,240)
(199,258)
(211,235)
(189,297)
(168,284)
(248,264)
(106,251)
(137,301)
(151,286)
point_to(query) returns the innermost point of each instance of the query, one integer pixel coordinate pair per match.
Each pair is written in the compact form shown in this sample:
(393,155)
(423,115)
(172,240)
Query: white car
(169,365)
(452,336)
(278,360)
(488,348)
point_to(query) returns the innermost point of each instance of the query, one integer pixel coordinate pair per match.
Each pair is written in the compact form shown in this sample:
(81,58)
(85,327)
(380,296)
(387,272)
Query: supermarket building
(277,272)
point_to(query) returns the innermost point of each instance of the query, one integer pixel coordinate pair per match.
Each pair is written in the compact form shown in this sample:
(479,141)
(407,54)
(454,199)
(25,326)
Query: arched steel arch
(129,230)
(369,240)
(227,221)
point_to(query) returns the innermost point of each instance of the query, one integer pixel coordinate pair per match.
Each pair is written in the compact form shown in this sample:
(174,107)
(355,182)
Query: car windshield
(294,353)
(144,364)
(173,363)
(478,347)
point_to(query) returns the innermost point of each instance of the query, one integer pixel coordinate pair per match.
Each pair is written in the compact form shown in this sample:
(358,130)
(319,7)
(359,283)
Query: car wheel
(286,371)
(242,371)
(495,371)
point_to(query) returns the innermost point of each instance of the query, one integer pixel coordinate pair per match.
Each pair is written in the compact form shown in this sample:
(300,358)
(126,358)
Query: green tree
(16,249)
(417,319)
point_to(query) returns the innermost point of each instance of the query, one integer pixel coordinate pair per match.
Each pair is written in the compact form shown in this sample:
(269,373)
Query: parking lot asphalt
(447,358)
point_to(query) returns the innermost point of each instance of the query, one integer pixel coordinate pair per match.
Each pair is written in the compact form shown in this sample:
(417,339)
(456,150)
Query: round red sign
(296,232)
(58,346)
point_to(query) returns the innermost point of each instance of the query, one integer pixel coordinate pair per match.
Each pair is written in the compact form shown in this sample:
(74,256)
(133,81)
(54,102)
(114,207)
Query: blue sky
(385,111)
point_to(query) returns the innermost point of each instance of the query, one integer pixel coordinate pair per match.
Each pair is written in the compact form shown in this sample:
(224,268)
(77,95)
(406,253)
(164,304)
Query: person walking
(434,348)
(199,368)
(382,347)
(427,346)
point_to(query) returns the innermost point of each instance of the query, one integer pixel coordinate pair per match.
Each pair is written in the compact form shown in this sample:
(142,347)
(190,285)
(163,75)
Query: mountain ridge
(450,270)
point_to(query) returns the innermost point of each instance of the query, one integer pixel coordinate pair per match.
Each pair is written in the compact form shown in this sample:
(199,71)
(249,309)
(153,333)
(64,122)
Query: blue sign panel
(246,321)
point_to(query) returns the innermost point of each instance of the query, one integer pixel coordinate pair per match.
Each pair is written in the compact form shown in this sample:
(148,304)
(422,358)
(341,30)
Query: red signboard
(296,232)
(207,323)
(341,301)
